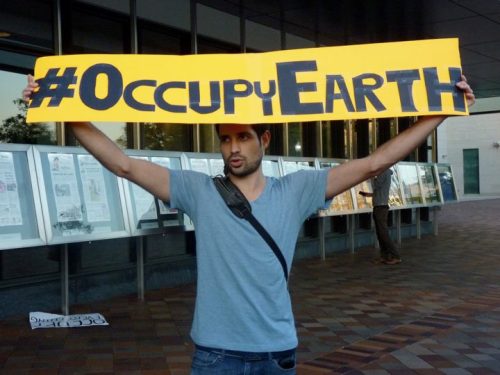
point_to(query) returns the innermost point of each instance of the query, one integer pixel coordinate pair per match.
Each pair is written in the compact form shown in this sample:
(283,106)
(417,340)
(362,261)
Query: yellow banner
(327,83)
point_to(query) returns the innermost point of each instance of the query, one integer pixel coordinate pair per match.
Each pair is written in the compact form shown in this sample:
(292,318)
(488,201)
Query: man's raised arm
(355,171)
(150,176)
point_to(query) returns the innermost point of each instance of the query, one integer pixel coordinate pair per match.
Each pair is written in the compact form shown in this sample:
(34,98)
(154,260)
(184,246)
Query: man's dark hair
(260,129)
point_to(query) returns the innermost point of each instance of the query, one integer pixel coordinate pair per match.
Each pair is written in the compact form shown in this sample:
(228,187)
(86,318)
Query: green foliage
(15,129)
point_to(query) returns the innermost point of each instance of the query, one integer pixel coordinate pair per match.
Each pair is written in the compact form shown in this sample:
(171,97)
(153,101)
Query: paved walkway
(438,312)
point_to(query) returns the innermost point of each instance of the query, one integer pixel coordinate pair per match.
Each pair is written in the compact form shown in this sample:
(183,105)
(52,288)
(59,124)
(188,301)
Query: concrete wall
(481,131)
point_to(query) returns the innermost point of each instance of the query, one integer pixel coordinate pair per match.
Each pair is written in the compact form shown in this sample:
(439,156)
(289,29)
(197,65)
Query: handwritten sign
(327,83)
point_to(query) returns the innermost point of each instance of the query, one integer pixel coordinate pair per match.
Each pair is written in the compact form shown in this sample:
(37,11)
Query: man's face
(241,148)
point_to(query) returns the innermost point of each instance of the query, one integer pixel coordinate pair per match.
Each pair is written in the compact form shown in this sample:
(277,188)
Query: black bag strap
(240,206)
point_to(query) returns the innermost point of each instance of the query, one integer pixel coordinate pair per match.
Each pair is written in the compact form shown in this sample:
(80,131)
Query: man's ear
(265,138)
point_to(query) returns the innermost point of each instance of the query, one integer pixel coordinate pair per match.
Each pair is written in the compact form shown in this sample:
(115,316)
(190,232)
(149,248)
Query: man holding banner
(243,316)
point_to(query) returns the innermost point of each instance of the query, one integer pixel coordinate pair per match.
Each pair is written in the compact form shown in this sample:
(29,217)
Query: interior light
(4,34)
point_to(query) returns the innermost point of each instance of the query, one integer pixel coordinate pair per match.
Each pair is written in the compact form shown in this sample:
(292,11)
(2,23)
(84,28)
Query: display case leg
(435,220)
(140,267)
(321,234)
(64,280)
(419,226)
(351,222)
(398,226)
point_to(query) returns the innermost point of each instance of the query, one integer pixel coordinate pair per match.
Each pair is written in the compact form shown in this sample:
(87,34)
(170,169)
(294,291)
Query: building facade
(472,147)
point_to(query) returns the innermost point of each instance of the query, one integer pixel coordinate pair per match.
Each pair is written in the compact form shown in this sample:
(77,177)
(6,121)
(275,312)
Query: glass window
(295,143)
(209,141)
(302,139)
(13,127)
(218,25)
(335,139)
(276,145)
(100,30)
(22,28)
(385,130)
(294,41)
(175,14)
(262,38)
(403,124)
(164,136)
(155,38)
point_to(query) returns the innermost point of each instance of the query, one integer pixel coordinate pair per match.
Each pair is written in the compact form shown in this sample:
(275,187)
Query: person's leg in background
(388,250)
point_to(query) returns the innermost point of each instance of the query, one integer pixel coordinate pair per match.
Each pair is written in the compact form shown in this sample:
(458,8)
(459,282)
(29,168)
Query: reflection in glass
(116,131)
(109,37)
(13,127)
(429,184)
(209,140)
(17,18)
(411,186)
(363,202)
(447,183)
(295,139)
(395,196)
(340,203)
(170,137)
(147,211)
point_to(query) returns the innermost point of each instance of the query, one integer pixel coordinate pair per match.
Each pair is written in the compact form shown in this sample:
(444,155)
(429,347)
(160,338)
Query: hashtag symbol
(54,87)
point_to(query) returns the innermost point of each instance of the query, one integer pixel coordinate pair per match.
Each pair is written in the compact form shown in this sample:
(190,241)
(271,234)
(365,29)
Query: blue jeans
(211,361)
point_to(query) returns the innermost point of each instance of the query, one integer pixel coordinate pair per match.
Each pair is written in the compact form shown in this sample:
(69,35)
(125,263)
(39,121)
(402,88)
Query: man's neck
(252,185)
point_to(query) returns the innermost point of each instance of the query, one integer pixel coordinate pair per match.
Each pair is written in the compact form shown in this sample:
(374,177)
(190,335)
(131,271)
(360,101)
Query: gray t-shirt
(381,185)
(242,300)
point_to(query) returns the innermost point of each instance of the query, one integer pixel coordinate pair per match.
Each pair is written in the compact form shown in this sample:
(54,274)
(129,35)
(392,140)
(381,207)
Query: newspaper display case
(147,214)
(200,162)
(21,218)
(80,199)
(271,166)
(341,204)
(431,191)
(410,184)
(294,164)
(447,187)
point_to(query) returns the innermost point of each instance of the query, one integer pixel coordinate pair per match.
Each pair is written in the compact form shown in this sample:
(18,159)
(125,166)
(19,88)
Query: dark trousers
(388,249)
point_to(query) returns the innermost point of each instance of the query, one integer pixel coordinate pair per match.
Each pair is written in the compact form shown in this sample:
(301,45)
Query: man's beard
(248,170)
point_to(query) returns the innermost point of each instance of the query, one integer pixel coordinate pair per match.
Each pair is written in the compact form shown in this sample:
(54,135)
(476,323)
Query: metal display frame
(86,237)
(160,224)
(437,186)
(408,204)
(41,240)
(64,241)
(441,190)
